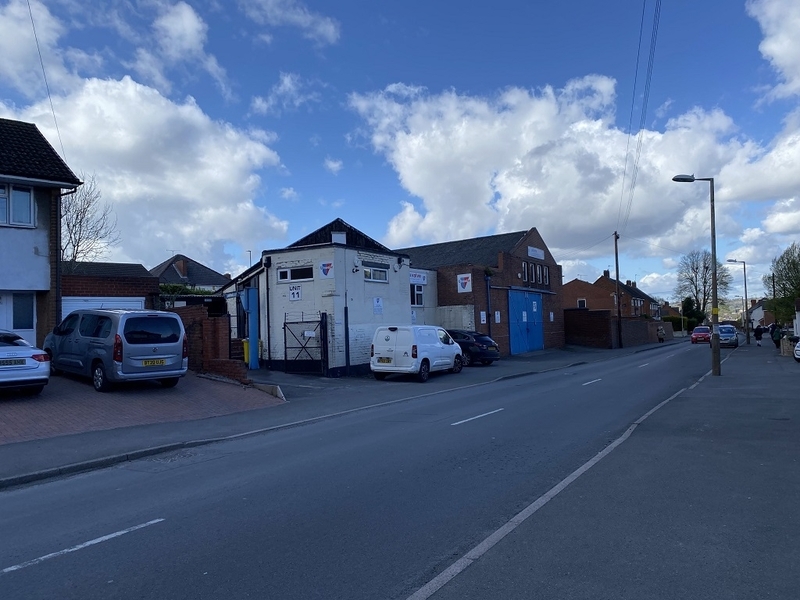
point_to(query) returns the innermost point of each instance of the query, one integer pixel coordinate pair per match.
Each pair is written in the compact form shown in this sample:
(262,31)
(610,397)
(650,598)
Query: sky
(220,129)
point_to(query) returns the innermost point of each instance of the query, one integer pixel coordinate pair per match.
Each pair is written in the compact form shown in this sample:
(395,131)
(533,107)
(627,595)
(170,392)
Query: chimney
(181,267)
(753,303)
(607,273)
(628,282)
(227,276)
(633,284)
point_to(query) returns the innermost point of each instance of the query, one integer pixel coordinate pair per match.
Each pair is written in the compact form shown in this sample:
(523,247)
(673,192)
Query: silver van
(116,345)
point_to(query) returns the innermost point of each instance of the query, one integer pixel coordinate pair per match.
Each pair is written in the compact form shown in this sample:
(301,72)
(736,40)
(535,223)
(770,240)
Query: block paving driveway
(71,405)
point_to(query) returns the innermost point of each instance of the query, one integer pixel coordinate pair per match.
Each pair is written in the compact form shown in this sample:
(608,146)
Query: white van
(413,349)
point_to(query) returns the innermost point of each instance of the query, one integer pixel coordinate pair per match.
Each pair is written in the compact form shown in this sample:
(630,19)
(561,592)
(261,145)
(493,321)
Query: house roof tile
(25,153)
(480,251)
(196,273)
(104,269)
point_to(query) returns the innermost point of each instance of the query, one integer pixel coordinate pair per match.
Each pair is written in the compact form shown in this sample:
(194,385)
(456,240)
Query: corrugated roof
(104,269)
(480,251)
(26,153)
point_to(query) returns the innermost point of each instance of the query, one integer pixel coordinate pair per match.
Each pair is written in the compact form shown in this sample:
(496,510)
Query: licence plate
(12,362)
(157,362)
(385,359)
(491,347)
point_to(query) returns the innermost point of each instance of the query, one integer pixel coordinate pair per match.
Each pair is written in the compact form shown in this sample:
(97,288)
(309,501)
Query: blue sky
(216,128)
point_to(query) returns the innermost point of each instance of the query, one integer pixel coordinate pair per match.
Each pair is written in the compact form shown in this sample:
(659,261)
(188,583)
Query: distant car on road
(476,346)
(21,365)
(701,334)
(728,336)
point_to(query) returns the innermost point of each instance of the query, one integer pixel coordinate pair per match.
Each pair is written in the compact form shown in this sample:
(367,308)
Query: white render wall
(25,252)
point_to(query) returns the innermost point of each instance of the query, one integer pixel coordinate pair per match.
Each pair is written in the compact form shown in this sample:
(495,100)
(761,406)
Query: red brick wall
(209,341)
(83,285)
(598,329)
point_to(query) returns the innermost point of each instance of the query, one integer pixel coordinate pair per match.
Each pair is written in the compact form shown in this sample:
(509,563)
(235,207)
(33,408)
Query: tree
(784,282)
(694,279)
(88,227)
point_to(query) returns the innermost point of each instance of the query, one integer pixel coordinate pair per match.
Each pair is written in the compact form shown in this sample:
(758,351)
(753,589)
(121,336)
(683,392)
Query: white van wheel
(457,364)
(424,371)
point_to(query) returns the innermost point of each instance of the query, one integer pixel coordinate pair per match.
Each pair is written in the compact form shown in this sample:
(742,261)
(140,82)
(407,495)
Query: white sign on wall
(326,269)
(295,292)
(551,317)
(413,317)
(377,305)
(483,317)
(497,316)
(535,252)
(418,278)
(464,283)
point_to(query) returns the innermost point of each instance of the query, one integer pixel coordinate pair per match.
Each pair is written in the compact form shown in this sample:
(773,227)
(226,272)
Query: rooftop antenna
(173,251)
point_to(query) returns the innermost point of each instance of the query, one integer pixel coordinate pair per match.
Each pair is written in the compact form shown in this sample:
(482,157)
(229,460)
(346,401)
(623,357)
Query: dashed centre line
(477,417)
(592,381)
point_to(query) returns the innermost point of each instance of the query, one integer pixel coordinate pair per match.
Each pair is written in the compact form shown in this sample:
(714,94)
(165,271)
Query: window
(95,326)
(547,275)
(295,274)
(416,295)
(373,274)
(16,205)
(524,271)
(581,302)
(538,273)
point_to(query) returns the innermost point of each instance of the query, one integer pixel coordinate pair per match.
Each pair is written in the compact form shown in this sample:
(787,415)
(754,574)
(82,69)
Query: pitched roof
(480,251)
(26,153)
(104,269)
(196,273)
(354,238)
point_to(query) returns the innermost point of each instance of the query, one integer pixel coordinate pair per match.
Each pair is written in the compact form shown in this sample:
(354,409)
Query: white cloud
(282,13)
(290,93)
(289,193)
(175,178)
(179,31)
(334,166)
(780,24)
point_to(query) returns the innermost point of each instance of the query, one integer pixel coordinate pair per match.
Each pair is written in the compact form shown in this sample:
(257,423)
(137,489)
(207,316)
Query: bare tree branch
(88,227)
(694,279)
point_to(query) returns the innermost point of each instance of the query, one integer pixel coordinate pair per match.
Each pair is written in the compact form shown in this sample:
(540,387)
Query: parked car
(475,347)
(728,336)
(797,351)
(22,366)
(700,334)
(117,345)
(413,349)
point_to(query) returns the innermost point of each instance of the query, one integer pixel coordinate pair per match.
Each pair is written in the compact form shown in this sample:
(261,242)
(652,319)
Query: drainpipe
(488,278)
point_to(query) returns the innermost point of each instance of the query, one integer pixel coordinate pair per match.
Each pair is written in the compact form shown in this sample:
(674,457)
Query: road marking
(644,365)
(99,540)
(592,381)
(478,417)
(438,582)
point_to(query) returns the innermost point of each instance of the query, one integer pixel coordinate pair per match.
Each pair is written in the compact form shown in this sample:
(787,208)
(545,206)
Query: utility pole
(619,302)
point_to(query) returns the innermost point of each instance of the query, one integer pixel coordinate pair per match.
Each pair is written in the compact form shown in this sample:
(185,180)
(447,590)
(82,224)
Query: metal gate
(306,343)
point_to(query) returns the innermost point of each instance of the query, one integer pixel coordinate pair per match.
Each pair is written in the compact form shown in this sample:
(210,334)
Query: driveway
(70,405)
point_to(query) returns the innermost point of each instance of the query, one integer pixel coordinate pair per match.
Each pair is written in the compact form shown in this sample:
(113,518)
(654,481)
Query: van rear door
(152,343)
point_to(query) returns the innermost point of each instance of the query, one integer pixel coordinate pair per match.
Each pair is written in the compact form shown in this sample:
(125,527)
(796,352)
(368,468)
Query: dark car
(475,346)
(701,334)
(728,336)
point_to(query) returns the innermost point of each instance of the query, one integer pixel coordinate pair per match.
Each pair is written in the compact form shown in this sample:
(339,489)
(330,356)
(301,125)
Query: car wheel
(797,359)
(487,362)
(379,376)
(466,359)
(99,379)
(424,371)
(457,365)
(170,382)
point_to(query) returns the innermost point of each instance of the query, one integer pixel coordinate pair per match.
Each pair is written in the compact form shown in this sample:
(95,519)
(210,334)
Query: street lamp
(715,359)
(744,317)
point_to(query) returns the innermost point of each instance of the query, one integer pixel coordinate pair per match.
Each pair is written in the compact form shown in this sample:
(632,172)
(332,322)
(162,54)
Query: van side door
(63,343)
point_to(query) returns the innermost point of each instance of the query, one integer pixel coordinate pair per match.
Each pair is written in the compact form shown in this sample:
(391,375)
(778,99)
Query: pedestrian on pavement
(759,333)
(777,334)
(661,334)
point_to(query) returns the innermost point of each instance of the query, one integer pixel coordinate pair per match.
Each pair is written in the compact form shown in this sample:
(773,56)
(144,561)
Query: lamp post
(715,358)
(744,316)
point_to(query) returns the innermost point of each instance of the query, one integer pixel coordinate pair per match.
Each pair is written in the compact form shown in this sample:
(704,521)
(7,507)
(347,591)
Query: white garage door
(70,303)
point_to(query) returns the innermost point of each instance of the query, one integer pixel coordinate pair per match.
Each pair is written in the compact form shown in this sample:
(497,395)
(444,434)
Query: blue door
(525,323)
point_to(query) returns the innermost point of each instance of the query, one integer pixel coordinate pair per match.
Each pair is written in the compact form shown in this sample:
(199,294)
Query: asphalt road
(368,505)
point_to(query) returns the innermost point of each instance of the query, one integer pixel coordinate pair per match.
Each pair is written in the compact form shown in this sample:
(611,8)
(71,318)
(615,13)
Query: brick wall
(84,285)
(209,342)
(598,329)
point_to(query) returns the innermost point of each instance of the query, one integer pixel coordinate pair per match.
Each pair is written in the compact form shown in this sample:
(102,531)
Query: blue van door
(525,322)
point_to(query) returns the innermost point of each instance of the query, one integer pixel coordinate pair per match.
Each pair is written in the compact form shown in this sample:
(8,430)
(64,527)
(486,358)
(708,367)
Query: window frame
(290,278)
(7,202)
(581,300)
(368,274)
(417,295)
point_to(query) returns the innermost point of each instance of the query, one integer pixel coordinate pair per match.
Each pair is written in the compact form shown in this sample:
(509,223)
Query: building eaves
(25,154)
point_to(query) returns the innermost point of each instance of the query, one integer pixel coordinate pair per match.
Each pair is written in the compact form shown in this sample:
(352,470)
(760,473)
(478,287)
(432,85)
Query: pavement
(71,428)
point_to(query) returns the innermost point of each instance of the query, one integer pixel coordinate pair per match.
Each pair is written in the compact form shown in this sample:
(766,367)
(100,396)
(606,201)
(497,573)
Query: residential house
(759,315)
(507,286)
(182,270)
(320,299)
(34,180)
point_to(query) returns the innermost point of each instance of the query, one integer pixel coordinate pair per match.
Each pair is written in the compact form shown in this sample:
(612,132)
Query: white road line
(105,538)
(644,365)
(438,582)
(592,381)
(478,417)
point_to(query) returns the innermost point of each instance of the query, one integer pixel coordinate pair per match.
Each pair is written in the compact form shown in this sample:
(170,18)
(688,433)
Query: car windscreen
(701,330)
(727,330)
(152,330)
